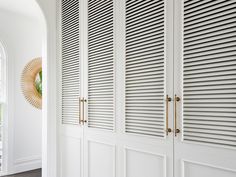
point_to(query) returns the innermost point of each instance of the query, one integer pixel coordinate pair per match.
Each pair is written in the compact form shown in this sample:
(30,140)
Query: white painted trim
(50,101)
(59,83)
(114,156)
(27,163)
(8,114)
(185,161)
(27,167)
(24,164)
(27,159)
(5,123)
(127,148)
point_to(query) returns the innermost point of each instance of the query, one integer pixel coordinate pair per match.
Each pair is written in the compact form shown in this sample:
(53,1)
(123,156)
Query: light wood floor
(34,173)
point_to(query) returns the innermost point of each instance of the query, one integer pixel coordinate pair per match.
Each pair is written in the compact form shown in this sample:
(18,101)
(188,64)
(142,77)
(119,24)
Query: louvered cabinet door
(205,81)
(99,88)
(148,80)
(70,131)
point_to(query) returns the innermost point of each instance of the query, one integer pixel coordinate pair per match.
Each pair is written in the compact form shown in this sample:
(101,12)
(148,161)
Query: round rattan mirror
(31,82)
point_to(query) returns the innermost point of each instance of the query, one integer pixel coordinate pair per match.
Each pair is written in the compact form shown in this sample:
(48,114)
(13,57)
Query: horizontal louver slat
(145,68)
(100,65)
(209,72)
(70,62)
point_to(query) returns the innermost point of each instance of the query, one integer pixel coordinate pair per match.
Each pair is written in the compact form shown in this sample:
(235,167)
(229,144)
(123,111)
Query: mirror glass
(38,82)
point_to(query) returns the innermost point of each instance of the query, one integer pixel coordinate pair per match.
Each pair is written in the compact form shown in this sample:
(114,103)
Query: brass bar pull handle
(84,120)
(168,99)
(80,118)
(177,99)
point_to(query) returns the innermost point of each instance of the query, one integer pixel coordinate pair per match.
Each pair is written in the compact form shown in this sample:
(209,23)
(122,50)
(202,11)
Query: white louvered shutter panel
(209,72)
(70,62)
(145,67)
(100,65)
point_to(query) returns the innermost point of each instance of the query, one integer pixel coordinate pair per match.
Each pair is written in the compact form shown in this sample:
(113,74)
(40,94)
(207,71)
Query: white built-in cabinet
(148,88)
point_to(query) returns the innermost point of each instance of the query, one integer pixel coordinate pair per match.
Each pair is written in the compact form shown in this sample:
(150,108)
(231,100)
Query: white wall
(22,38)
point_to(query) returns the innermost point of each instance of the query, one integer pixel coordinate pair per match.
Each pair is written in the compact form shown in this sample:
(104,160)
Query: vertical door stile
(59,45)
(119,45)
(169,64)
(83,70)
(84,48)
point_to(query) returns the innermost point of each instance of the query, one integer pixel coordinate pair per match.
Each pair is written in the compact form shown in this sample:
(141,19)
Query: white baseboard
(27,164)
(3,174)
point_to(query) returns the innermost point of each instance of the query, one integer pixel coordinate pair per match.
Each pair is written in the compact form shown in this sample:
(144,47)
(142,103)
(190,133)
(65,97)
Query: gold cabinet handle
(82,115)
(168,130)
(84,101)
(177,99)
(80,118)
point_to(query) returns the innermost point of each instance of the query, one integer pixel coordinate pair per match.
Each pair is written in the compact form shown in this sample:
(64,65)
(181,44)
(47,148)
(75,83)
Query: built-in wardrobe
(148,88)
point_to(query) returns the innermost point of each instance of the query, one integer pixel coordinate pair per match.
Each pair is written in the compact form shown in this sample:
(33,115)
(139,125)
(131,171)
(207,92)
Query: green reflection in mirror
(38,82)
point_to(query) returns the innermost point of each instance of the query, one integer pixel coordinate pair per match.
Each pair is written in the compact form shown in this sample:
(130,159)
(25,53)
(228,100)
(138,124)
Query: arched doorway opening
(50,102)
(43,8)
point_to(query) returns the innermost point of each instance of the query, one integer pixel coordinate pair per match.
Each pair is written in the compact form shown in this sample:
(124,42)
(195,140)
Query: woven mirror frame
(28,85)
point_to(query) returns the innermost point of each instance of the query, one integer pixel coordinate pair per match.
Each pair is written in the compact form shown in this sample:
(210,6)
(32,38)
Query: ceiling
(25,7)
